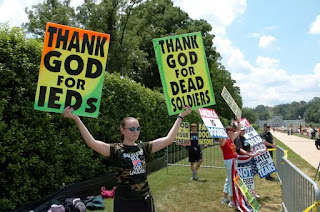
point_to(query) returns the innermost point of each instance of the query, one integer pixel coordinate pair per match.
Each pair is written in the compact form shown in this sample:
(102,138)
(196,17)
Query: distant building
(277,121)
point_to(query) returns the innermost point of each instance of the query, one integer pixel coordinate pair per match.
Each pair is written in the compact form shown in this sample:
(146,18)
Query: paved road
(302,146)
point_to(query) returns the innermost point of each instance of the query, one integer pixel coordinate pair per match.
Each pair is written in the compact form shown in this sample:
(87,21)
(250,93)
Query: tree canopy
(132,26)
(249,114)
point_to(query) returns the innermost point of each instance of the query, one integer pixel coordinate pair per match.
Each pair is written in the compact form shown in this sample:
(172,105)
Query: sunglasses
(132,129)
(268,127)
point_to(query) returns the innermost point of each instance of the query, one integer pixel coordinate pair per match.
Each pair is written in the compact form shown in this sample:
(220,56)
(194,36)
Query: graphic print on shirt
(233,148)
(139,166)
(194,136)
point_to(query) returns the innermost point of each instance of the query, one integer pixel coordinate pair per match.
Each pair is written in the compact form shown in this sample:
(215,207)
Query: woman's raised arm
(98,146)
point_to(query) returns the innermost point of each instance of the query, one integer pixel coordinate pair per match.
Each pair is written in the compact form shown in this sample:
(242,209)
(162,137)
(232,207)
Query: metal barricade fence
(298,190)
(279,155)
(178,155)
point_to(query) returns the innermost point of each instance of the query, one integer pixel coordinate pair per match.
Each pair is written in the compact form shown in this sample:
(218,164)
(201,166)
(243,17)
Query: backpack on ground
(74,205)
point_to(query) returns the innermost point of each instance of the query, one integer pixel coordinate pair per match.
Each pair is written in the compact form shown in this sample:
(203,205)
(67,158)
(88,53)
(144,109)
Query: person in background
(129,160)
(269,142)
(229,155)
(195,153)
(313,132)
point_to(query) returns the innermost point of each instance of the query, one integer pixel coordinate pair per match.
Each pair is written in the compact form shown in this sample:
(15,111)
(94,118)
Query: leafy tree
(262,112)
(312,113)
(49,11)
(154,19)
(291,111)
(249,114)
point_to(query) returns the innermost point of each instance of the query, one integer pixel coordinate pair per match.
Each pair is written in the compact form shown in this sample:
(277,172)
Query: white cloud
(315,26)
(13,11)
(267,62)
(269,84)
(266,41)
(232,57)
(255,35)
(218,13)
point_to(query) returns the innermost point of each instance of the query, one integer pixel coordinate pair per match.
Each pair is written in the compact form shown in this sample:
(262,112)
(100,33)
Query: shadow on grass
(270,207)
(199,181)
(263,199)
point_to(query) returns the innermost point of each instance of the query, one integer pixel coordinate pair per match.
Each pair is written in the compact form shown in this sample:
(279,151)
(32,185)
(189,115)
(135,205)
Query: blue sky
(286,21)
(270,47)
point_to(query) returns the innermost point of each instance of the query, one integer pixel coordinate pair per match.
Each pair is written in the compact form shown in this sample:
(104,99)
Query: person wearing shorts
(195,153)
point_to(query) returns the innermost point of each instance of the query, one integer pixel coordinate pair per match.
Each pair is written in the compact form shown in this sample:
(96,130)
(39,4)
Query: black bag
(245,145)
(74,205)
(317,143)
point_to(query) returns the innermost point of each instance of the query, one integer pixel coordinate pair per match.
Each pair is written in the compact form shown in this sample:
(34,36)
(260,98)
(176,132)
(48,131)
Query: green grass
(174,191)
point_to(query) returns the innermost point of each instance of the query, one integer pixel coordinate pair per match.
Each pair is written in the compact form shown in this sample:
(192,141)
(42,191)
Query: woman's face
(131,130)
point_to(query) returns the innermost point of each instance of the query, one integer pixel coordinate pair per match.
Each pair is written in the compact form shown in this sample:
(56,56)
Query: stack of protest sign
(262,163)
(263,159)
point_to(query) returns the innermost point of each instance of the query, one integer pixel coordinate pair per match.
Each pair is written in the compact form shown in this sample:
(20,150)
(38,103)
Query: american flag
(136,162)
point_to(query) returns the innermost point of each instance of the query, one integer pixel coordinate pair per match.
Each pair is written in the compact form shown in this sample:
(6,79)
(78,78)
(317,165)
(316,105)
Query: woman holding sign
(229,155)
(129,160)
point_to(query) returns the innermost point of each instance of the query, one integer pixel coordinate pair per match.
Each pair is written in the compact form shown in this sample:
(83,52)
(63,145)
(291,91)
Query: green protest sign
(184,72)
(246,193)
